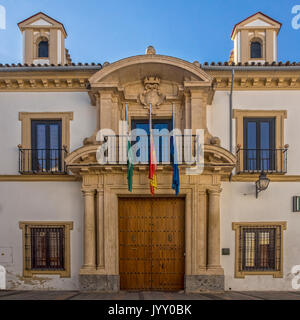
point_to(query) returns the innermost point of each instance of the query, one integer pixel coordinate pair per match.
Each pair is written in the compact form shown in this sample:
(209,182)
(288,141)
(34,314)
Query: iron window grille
(45,248)
(260,248)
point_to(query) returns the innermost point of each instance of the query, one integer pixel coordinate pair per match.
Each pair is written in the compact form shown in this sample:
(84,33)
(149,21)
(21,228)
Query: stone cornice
(44,81)
(256,80)
(76,78)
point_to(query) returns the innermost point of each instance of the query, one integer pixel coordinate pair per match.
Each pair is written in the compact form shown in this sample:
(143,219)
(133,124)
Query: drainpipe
(230,113)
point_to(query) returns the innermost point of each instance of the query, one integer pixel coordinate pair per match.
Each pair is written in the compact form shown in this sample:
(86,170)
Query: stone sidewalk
(77,295)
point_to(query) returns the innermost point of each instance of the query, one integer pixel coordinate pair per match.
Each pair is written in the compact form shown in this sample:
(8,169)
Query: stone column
(213,258)
(89,230)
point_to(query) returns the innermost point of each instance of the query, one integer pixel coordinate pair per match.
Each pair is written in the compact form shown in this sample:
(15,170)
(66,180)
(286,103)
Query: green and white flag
(129,156)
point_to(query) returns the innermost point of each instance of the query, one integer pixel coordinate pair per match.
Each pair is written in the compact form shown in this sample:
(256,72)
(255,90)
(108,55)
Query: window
(45,142)
(46,145)
(43,49)
(46,248)
(256,50)
(161,139)
(259,248)
(259,144)
(260,141)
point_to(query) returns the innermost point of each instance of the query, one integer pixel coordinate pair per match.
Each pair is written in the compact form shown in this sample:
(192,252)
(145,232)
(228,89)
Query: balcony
(258,160)
(42,161)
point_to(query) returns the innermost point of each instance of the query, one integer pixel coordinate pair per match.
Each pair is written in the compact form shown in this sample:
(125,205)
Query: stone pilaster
(213,245)
(202,230)
(89,231)
(100,229)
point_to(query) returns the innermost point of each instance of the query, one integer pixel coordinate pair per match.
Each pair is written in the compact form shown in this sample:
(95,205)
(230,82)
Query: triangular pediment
(258,20)
(258,23)
(41,20)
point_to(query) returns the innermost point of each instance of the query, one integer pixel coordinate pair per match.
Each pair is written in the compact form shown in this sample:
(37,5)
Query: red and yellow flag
(152,162)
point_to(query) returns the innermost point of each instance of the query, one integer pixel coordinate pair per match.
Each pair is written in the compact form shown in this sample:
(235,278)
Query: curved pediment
(139,67)
(216,158)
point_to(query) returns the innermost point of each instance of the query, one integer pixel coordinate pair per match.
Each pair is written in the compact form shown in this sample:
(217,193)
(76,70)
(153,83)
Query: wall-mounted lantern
(262,183)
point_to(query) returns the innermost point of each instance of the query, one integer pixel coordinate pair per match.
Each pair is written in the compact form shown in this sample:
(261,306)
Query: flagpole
(175,178)
(173,111)
(150,110)
(129,153)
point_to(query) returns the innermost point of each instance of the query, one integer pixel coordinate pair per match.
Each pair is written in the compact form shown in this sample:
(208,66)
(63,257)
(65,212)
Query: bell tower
(43,40)
(255,39)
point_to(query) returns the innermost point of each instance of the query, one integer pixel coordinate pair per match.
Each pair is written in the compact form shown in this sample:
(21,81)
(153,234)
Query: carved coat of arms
(151,93)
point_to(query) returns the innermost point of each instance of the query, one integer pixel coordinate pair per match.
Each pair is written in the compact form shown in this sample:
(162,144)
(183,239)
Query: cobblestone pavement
(123,295)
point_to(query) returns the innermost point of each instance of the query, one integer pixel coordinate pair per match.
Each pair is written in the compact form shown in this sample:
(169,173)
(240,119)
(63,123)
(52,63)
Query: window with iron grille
(46,248)
(259,248)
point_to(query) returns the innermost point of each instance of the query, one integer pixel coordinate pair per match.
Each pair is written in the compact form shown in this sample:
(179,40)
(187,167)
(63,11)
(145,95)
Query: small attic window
(256,50)
(43,49)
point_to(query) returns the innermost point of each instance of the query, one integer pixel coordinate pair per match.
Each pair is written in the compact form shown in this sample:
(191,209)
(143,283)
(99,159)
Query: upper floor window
(160,137)
(259,144)
(260,141)
(43,49)
(46,145)
(256,50)
(45,142)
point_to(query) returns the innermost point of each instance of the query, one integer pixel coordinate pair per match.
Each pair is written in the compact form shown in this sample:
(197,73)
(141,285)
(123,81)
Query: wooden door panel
(151,239)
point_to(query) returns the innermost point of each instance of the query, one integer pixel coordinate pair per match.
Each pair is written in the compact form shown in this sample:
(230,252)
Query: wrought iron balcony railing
(39,161)
(258,160)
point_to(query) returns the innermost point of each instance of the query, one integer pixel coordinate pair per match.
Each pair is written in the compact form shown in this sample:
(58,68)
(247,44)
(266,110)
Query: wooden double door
(151,243)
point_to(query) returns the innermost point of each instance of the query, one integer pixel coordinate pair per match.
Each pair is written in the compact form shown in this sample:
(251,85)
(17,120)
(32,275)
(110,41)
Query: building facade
(69,222)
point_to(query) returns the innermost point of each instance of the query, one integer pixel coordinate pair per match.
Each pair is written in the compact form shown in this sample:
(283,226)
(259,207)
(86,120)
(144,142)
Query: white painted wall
(62,201)
(11,104)
(218,117)
(40,201)
(239,204)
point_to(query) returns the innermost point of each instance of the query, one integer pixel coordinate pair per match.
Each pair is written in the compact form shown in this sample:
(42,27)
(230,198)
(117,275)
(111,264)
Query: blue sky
(100,31)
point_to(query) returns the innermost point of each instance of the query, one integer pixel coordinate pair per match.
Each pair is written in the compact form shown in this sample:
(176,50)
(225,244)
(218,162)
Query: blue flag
(175,180)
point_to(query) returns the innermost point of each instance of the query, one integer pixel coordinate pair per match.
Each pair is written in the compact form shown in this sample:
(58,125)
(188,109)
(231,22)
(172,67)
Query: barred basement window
(259,248)
(46,248)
